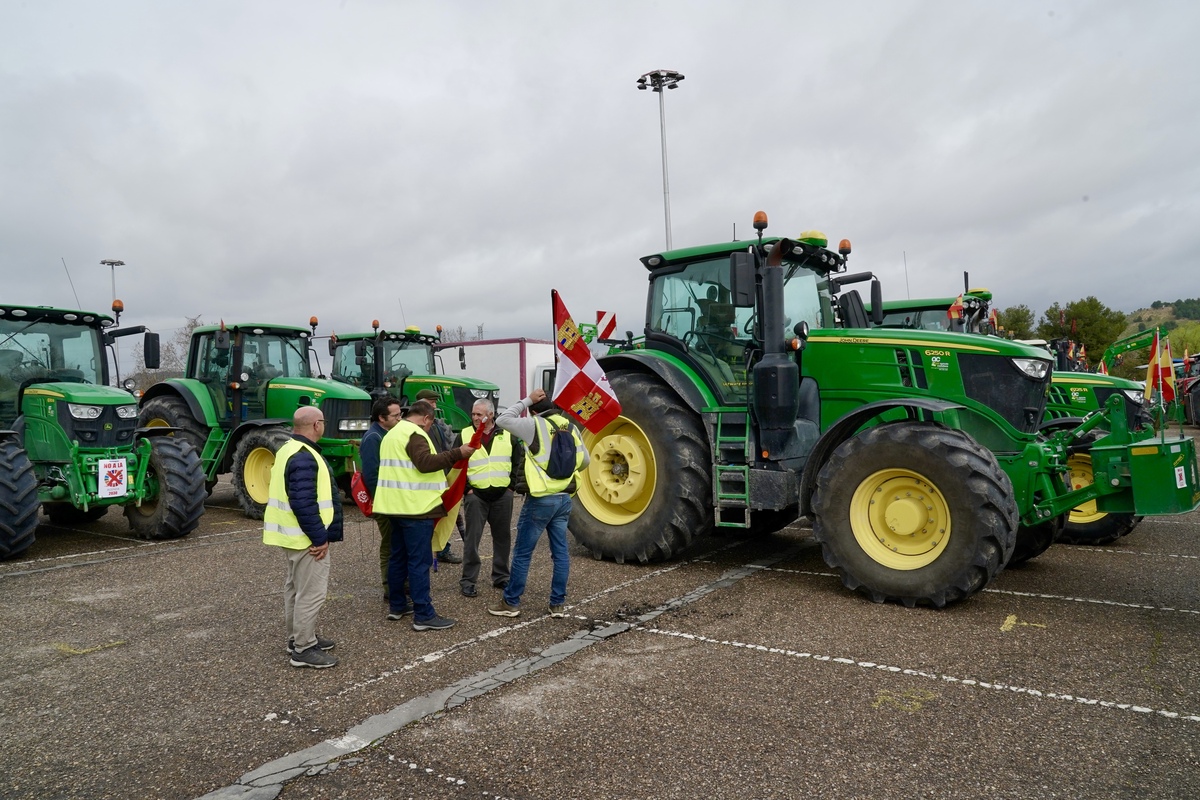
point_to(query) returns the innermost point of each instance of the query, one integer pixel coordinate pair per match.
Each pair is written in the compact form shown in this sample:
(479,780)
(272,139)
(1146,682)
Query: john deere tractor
(762,393)
(235,405)
(70,443)
(1072,396)
(400,364)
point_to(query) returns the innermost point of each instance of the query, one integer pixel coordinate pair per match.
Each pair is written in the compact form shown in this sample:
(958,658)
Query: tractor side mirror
(150,350)
(332,348)
(741,280)
(876,302)
(222,340)
(462,358)
(360,349)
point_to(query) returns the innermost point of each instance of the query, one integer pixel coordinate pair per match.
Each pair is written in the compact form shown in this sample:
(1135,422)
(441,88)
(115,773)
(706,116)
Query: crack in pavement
(266,782)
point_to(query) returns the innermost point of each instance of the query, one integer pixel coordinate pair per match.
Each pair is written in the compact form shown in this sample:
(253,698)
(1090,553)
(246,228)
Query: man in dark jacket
(303,515)
(385,413)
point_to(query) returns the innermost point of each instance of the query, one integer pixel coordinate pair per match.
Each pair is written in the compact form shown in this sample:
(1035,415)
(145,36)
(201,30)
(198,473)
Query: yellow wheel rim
(900,519)
(257,473)
(1080,467)
(620,480)
(158,423)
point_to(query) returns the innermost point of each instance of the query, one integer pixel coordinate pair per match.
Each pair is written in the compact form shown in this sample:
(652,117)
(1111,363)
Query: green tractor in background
(235,405)
(762,393)
(1072,396)
(70,443)
(400,364)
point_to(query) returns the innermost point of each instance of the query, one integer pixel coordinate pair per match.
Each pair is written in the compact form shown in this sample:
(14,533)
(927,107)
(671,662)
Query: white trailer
(517,366)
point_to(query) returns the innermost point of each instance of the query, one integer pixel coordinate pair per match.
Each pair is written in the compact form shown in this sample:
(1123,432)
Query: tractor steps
(731,473)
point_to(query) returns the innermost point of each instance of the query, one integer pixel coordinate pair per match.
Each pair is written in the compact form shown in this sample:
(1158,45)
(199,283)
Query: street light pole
(655,81)
(112,264)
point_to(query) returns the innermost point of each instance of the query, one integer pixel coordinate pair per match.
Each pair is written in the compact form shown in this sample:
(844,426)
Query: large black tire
(174,498)
(1086,524)
(915,513)
(1193,404)
(1033,540)
(252,462)
(18,500)
(648,490)
(172,411)
(67,514)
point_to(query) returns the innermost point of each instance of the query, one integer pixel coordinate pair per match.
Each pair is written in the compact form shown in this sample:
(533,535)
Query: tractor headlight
(354,424)
(1033,367)
(480,394)
(1138,398)
(85,412)
(127,412)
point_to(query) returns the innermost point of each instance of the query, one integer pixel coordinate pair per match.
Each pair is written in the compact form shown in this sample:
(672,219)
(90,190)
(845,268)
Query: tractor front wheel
(648,489)
(18,500)
(171,411)
(174,497)
(914,512)
(252,462)
(1086,524)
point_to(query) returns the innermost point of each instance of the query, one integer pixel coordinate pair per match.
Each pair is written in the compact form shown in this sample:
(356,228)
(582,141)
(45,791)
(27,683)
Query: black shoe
(469,591)
(322,642)
(313,657)
(402,613)
(434,623)
(447,556)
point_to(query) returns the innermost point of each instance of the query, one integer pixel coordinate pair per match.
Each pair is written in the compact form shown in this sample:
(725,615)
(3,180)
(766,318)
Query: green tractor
(401,363)
(1072,396)
(70,443)
(235,405)
(762,394)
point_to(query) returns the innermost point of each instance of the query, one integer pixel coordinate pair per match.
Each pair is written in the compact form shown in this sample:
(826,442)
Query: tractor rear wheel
(67,514)
(1086,524)
(648,490)
(1193,403)
(914,512)
(252,462)
(174,498)
(171,411)
(18,500)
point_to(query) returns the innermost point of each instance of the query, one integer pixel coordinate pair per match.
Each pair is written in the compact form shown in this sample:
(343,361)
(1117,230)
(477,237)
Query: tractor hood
(317,389)
(83,393)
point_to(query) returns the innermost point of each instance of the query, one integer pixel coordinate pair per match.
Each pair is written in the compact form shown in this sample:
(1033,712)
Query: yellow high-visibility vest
(488,469)
(280,526)
(403,489)
(541,484)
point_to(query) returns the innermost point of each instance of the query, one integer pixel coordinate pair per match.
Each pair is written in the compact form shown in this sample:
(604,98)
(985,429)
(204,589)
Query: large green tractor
(1072,396)
(401,363)
(236,401)
(70,443)
(762,393)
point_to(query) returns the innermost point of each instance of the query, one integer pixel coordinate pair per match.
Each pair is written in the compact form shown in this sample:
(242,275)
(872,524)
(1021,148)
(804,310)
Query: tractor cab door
(214,368)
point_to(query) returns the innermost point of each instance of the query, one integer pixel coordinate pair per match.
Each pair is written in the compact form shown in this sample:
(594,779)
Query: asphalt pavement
(744,670)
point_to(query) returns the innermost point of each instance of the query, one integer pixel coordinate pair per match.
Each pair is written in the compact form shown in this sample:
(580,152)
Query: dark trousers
(411,560)
(498,516)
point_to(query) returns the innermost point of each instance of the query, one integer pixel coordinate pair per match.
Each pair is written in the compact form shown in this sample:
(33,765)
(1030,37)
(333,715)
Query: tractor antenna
(77,303)
(907,290)
(403,319)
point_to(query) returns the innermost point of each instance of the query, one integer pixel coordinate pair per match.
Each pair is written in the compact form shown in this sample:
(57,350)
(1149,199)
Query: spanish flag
(452,497)
(1160,372)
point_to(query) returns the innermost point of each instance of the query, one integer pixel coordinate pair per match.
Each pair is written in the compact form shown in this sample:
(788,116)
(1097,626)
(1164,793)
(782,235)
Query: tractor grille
(996,382)
(1059,398)
(337,410)
(106,430)
(466,401)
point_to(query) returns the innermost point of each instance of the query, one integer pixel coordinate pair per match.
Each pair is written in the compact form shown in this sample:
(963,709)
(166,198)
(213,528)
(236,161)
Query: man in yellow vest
(491,476)
(303,515)
(412,479)
(548,506)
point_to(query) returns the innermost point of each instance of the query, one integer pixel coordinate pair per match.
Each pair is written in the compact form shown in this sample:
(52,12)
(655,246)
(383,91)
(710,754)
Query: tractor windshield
(268,355)
(400,358)
(692,304)
(415,356)
(45,350)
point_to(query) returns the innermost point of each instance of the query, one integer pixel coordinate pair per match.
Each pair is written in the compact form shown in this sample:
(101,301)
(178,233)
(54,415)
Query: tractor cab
(237,365)
(379,362)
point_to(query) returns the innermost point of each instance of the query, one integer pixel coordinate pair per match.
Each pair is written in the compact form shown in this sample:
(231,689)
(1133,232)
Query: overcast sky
(452,162)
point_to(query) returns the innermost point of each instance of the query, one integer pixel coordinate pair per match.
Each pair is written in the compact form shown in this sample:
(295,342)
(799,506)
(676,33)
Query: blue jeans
(410,560)
(551,514)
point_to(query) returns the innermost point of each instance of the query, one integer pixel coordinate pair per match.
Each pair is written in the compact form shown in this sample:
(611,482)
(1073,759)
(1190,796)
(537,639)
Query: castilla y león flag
(452,497)
(580,386)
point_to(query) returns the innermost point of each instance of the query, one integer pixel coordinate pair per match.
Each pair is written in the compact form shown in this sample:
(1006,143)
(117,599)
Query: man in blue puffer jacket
(303,515)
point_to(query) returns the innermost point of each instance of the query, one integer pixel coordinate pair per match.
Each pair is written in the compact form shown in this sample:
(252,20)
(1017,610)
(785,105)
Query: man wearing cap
(412,479)
(442,436)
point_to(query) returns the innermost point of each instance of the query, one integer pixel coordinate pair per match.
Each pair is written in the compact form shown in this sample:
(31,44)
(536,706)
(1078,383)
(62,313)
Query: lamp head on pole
(659,78)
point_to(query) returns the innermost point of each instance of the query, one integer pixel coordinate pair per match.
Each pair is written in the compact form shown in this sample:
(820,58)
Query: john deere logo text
(568,334)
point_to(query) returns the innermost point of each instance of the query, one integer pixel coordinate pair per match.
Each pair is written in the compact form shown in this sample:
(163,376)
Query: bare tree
(172,356)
